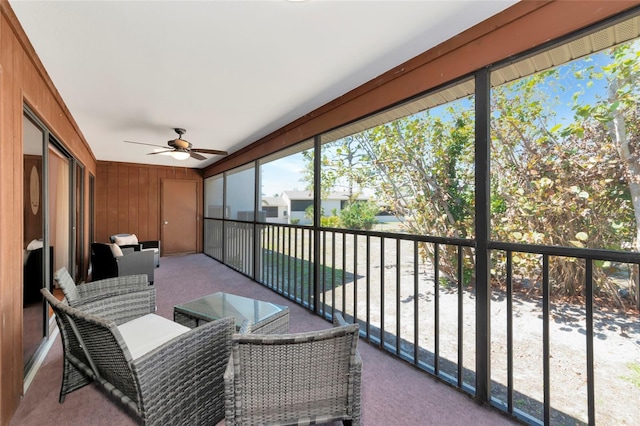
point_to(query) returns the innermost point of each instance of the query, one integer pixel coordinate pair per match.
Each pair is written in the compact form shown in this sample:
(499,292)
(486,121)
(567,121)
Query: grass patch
(296,275)
(634,376)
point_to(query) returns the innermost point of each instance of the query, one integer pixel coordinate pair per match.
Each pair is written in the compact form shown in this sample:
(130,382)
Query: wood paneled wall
(517,29)
(128,199)
(23,80)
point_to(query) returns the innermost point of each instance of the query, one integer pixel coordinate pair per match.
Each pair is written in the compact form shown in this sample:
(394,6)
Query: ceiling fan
(182,149)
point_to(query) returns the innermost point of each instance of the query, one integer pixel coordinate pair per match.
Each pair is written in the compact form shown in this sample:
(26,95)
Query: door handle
(166,223)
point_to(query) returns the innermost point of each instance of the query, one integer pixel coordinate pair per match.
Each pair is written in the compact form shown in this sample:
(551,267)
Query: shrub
(359,215)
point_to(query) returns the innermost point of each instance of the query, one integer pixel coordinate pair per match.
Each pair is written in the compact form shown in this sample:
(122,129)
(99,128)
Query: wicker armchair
(130,240)
(121,308)
(302,378)
(105,265)
(162,372)
(78,295)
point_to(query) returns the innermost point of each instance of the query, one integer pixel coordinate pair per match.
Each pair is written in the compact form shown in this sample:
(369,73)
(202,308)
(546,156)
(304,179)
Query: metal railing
(559,319)
(287,261)
(422,309)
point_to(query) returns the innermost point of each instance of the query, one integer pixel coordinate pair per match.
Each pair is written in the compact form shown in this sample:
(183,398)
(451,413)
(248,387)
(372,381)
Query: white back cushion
(115,250)
(126,240)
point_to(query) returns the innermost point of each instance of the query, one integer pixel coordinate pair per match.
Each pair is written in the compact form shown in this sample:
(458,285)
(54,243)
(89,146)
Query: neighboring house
(287,206)
(276,209)
(298,201)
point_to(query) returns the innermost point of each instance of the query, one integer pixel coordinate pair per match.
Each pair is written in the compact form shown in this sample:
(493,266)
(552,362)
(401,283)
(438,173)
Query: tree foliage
(359,215)
(425,175)
(557,187)
(562,175)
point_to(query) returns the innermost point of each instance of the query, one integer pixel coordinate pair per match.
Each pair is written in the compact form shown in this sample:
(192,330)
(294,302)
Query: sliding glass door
(53,221)
(59,207)
(34,324)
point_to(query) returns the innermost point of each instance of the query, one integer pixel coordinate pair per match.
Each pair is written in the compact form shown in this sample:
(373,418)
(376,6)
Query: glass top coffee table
(265,317)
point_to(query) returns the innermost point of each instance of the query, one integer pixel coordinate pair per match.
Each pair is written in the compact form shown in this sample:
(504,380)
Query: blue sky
(282,174)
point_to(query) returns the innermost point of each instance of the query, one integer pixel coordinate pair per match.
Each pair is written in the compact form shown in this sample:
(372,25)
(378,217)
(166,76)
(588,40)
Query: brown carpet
(394,393)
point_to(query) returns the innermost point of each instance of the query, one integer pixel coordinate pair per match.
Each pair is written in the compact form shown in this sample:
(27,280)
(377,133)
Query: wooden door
(179,221)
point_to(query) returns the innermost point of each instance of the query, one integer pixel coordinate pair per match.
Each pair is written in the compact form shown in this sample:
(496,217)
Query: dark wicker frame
(142,245)
(104,265)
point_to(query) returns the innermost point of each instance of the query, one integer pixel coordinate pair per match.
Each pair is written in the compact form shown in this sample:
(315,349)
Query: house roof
(308,195)
(273,201)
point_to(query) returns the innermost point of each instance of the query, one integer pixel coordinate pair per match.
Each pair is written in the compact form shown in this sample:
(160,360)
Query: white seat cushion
(148,332)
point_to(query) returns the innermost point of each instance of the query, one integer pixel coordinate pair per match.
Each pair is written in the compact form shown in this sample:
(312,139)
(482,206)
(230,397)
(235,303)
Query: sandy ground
(616,336)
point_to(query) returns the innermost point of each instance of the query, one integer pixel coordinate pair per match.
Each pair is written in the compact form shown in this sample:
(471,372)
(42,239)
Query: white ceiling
(230,72)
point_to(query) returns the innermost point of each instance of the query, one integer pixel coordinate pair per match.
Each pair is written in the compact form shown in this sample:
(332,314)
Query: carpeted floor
(394,393)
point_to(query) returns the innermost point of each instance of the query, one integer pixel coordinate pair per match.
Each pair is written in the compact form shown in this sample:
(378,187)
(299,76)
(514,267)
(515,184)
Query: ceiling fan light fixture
(180,155)
(181,149)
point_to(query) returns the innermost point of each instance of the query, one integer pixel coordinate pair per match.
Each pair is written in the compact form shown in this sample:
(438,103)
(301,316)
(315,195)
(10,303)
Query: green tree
(344,165)
(424,167)
(351,165)
(359,215)
(619,112)
(555,185)
(553,182)
(328,173)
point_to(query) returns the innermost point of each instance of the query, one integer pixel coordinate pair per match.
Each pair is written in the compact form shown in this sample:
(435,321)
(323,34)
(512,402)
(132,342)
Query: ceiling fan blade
(210,151)
(148,144)
(168,151)
(197,156)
